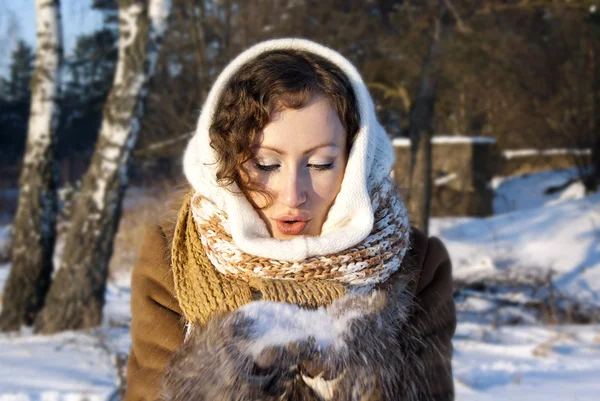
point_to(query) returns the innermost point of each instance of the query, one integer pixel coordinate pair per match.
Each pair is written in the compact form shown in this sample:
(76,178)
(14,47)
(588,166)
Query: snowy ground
(558,233)
(528,191)
(530,234)
(71,366)
(527,362)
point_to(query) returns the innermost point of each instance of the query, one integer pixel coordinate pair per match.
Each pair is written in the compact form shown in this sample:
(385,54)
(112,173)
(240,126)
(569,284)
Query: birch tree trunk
(76,297)
(34,225)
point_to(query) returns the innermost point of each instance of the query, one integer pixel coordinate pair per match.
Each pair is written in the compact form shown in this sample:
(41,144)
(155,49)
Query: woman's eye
(266,167)
(327,166)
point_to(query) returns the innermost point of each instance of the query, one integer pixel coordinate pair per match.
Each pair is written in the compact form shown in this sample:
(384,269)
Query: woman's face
(299,159)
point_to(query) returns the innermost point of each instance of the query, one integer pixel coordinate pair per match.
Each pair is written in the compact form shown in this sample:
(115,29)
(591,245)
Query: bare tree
(595,176)
(76,297)
(422,127)
(594,66)
(34,225)
(424,120)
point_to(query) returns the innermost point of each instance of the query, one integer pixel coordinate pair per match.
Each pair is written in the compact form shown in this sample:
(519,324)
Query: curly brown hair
(273,81)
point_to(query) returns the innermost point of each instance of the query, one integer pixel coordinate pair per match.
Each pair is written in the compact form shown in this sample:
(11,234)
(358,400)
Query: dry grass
(142,208)
(546,348)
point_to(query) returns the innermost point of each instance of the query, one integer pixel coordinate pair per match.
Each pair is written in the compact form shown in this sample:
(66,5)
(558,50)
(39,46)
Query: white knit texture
(350,218)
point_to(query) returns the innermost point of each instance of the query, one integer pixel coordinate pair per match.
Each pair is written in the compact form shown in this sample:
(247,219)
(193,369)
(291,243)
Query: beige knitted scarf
(360,267)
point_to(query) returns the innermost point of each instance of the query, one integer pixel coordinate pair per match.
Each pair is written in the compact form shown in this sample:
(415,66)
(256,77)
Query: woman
(292,202)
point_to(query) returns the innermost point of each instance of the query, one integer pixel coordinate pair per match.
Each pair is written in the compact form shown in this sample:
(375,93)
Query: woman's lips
(291,225)
(291,228)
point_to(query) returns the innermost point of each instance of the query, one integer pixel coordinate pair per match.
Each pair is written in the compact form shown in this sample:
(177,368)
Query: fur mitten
(217,363)
(272,351)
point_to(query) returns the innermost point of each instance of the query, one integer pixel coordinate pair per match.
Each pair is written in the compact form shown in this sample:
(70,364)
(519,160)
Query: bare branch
(491,8)
(155,147)
(462,28)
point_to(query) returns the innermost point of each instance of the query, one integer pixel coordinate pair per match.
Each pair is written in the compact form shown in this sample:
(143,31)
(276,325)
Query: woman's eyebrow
(282,152)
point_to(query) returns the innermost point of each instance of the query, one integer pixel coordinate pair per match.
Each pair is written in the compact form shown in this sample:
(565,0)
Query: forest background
(120,107)
(523,72)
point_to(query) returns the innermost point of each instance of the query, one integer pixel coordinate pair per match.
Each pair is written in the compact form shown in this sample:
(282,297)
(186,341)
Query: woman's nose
(293,193)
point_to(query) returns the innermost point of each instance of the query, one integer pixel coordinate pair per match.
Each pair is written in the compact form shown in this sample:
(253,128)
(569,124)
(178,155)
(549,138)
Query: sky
(17,21)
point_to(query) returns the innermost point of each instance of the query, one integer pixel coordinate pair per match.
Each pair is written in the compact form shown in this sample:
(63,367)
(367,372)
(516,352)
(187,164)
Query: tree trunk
(76,297)
(420,182)
(421,130)
(34,229)
(594,183)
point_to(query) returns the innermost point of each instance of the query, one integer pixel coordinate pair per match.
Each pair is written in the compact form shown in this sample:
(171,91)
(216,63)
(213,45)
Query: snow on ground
(70,366)
(532,232)
(563,235)
(526,362)
(512,154)
(454,139)
(67,365)
(5,241)
(528,191)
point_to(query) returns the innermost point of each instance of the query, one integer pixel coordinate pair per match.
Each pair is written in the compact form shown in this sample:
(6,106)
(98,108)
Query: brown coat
(158,328)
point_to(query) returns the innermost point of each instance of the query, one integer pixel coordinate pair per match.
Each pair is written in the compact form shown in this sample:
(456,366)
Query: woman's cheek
(327,186)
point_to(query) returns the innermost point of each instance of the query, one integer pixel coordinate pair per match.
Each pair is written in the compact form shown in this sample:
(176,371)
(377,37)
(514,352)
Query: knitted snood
(212,275)
(360,267)
(202,291)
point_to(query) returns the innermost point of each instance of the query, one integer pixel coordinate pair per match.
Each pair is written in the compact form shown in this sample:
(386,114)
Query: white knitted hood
(350,218)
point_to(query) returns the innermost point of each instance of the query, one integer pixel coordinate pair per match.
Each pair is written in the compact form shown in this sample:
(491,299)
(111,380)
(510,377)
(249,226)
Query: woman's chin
(286,237)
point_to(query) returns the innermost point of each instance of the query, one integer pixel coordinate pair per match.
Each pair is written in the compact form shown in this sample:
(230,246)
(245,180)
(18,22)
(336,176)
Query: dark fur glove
(217,363)
(383,357)
(267,351)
